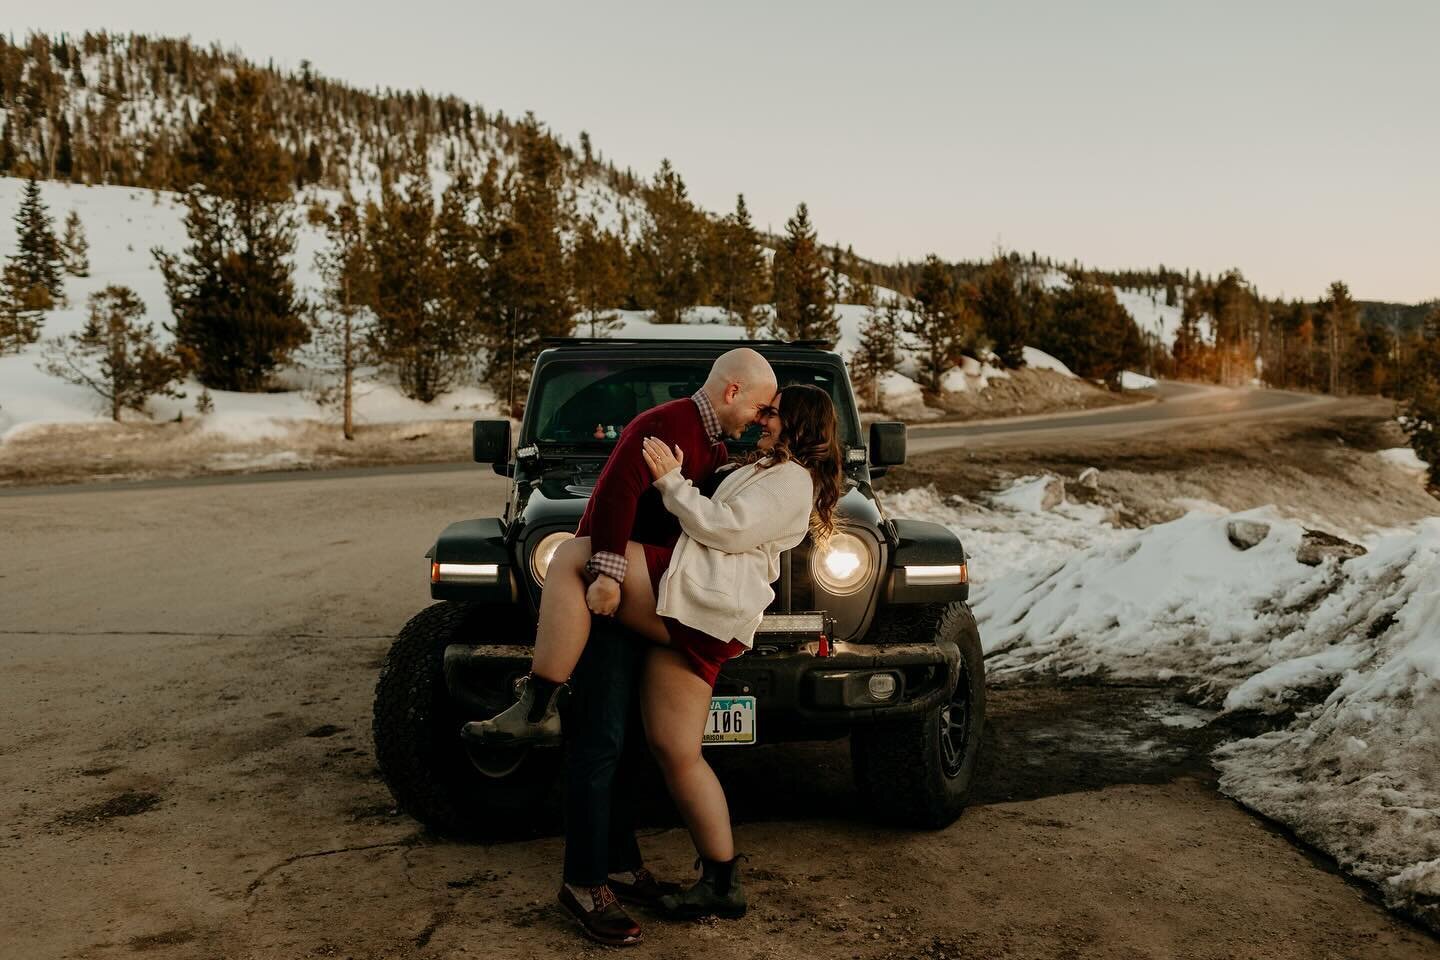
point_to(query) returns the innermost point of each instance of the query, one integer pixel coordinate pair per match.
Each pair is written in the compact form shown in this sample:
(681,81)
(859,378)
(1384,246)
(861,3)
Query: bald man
(601,856)
(626,507)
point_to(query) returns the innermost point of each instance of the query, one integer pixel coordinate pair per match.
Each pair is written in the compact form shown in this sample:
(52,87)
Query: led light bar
(928,576)
(855,455)
(464,572)
(792,623)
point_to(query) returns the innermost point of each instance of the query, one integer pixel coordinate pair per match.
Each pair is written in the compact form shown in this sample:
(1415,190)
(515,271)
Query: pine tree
(75,248)
(115,354)
(22,309)
(1420,395)
(597,265)
(803,307)
(838,277)
(237,315)
(341,327)
(1096,336)
(527,280)
(38,258)
(940,323)
(1341,317)
(412,333)
(737,268)
(668,253)
(1002,316)
(879,348)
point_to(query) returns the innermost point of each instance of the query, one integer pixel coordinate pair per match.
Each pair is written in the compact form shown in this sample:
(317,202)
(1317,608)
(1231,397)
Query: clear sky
(1299,141)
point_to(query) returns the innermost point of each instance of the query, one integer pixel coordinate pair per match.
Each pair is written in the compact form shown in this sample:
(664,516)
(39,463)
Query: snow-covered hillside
(122,225)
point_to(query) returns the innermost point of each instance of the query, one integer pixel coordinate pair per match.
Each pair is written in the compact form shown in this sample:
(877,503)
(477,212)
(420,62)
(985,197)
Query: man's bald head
(740,384)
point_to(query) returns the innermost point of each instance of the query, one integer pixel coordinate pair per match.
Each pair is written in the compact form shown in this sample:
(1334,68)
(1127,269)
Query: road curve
(1178,403)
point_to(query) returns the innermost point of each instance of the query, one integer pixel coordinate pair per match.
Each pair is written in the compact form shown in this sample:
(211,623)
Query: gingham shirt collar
(708,418)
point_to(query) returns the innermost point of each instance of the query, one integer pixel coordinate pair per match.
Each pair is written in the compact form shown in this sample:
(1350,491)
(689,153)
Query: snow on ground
(1358,774)
(1136,381)
(1405,458)
(1345,657)
(1040,360)
(1152,316)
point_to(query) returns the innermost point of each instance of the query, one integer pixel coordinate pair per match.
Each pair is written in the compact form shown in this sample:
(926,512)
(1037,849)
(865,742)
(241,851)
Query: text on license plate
(731,721)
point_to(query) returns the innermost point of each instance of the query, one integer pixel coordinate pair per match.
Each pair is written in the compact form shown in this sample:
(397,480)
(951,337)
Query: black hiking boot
(717,893)
(533,719)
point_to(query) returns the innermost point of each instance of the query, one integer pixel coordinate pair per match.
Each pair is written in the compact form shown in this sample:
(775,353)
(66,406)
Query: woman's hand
(659,458)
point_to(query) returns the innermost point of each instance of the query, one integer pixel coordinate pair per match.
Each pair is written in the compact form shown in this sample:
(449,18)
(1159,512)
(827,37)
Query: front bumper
(799,695)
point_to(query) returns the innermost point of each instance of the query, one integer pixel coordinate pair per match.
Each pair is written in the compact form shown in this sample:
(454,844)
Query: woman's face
(770,424)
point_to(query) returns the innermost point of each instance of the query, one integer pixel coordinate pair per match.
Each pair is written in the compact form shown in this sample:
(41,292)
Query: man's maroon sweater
(625,506)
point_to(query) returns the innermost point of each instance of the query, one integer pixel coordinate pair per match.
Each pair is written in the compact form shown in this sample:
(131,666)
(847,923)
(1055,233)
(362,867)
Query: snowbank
(1346,656)
(1136,381)
(1040,360)
(1405,458)
(1358,774)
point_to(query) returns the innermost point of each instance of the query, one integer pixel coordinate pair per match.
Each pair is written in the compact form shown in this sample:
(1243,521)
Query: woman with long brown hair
(698,602)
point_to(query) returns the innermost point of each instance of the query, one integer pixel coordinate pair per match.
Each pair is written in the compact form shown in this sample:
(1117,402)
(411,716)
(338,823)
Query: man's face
(747,406)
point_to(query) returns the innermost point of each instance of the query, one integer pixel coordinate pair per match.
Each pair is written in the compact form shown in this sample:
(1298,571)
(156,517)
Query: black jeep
(871,637)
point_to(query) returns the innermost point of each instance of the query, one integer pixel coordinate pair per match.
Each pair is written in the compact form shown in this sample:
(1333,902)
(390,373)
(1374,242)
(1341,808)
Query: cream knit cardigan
(729,551)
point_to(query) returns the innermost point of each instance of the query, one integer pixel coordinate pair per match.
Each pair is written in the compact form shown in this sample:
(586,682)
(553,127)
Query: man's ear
(731,392)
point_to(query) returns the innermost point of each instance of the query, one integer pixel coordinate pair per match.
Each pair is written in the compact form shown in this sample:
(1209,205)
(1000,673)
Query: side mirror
(490,440)
(887,444)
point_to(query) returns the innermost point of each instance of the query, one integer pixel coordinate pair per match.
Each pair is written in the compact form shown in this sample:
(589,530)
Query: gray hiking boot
(718,893)
(533,719)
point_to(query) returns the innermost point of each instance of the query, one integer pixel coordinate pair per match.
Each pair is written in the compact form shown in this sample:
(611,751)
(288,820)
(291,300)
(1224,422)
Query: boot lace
(602,896)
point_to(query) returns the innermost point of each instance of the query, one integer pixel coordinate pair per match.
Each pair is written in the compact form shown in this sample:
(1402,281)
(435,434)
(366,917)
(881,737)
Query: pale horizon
(1295,142)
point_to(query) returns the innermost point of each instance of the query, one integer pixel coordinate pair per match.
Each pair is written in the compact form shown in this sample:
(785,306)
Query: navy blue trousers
(602,708)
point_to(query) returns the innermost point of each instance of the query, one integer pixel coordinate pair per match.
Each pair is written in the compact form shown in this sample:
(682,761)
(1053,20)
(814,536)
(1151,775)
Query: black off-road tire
(416,729)
(902,767)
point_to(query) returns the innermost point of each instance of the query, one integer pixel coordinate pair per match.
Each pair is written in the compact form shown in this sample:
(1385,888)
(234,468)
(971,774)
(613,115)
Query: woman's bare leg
(675,703)
(564,626)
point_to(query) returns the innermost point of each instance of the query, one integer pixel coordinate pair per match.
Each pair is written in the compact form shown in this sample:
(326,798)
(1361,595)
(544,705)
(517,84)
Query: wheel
(430,771)
(917,771)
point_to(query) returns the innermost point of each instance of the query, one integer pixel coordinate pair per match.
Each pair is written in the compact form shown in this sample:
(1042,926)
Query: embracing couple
(687,575)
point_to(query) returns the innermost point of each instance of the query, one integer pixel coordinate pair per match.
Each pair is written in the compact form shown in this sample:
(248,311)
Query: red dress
(705,654)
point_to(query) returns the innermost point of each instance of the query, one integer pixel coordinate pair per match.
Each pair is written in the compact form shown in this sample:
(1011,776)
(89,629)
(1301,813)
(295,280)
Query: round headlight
(842,566)
(544,552)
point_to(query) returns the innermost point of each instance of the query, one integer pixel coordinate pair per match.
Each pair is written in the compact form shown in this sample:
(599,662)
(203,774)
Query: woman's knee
(571,555)
(672,751)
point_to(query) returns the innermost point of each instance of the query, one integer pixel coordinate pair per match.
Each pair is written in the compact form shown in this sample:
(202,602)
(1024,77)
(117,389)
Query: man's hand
(659,458)
(603,596)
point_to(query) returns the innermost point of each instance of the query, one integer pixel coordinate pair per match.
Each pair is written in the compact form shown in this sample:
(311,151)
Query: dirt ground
(185,683)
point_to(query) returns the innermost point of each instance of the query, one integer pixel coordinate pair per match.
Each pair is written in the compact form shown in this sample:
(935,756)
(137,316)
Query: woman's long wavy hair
(809,435)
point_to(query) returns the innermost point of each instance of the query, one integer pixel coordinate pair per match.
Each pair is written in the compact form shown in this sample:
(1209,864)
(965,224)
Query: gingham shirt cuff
(610,564)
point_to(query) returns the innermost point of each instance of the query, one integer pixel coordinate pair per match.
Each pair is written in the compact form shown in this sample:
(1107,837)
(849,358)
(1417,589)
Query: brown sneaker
(603,919)
(645,891)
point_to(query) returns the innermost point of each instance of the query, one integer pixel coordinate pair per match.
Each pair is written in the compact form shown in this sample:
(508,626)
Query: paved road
(1178,403)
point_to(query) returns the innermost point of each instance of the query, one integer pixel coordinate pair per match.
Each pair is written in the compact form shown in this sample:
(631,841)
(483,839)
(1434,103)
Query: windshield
(588,402)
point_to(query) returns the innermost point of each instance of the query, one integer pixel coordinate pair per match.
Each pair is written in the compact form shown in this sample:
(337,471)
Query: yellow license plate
(731,722)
